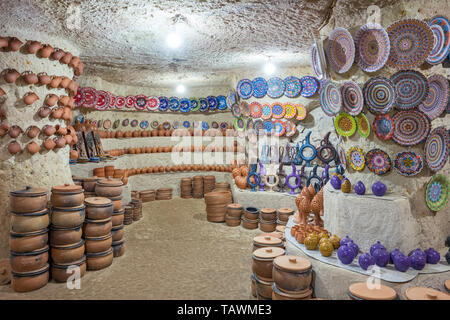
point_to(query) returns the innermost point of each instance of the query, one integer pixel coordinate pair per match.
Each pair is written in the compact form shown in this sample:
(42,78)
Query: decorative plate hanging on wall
(372,47)
(315,62)
(212,102)
(205,125)
(438,95)
(186,124)
(90,97)
(239,124)
(250,124)
(275,88)
(330,99)
(290,129)
(258,125)
(290,111)
(236,110)
(341,50)
(245,109)
(102,100)
(408,163)
(260,87)
(222,102)
(245,88)
(255,109)
(120,102)
(269,126)
(411,127)
(116,124)
(378,161)
(130,102)
(293,87)
(437,148)
(155,124)
(436,194)
(356,158)
(195,104)
(107,124)
(175,124)
(112,102)
(278,110)
(310,86)
(144,124)
(231,98)
(134,123)
(301,112)
(441,48)
(383,126)
(379,95)
(152,103)
(411,43)
(279,128)
(352,98)
(215,125)
(266,111)
(163,103)
(203,104)
(174,104)
(185,105)
(125,122)
(141,102)
(362,125)
(345,125)
(224,125)
(411,89)
(79,98)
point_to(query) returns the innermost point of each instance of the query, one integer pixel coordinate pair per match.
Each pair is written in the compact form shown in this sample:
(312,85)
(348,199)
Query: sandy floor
(171,253)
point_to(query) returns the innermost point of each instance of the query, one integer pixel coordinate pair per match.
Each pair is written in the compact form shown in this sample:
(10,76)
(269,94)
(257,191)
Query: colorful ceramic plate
(372,47)
(231,98)
(408,163)
(266,111)
(345,125)
(222,100)
(107,124)
(185,105)
(290,128)
(255,110)
(441,48)
(144,124)
(352,98)
(275,88)
(134,123)
(310,86)
(125,122)
(195,104)
(203,104)
(411,127)
(342,157)
(293,87)
(163,103)
(215,125)
(245,109)
(130,102)
(260,87)
(278,110)
(411,43)
(224,125)
(362,125)
(102,100)
(152,103)
(245,88)
(120,102)
(79,98)
(186,124)
(340,50)
(378,161)
(438,95)
(437,148)
(279,128)
(239,124)
(330,99)
(166,125)
(236,110)
(155,124)
(175,124)
(436,194)
(258,125)
(89,97)
(205,125)
(316,62)
(213,103)
(290,111)
(141,102)
(269,127)
(411,89)
(112,102)
(356,158)
(383,126)
(174,104)
(379,95)
(301,112)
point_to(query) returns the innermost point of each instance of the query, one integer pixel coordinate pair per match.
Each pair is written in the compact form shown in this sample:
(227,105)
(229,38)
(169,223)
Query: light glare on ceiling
(181,88)
(173,40)
(269,68)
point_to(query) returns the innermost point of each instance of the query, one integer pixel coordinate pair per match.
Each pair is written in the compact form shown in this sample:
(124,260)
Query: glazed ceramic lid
(267,240)
(424,293)
(98,201)
(268,252)
(29,192)
(110,182)
(362,291)
(292,263)
(67,188)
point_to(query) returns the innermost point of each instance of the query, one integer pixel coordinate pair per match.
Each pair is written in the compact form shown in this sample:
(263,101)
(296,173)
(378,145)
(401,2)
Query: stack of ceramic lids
(89,186)
(268,219)
(197,189)
(267,240)
(28,239)
(146,195)
(67,245)
(424,293)
(262,267)
(137,209)
(128,215)
(292,278)
(250,220)
(283,216)
(186,188)
(209,183)
(216,205)
(164,194)
(234,214)
(360,291)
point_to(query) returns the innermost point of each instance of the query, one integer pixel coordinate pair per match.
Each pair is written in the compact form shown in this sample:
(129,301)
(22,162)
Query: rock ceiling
(124,41)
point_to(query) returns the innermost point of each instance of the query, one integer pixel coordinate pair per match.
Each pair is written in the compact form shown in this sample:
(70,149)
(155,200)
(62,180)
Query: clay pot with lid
(29,261)
(98,208)
(292,274)
(360,291)
(108,188)
(277,294)
(98,244)
(68,217)
(11,75)
(97,228)
(33,147)
(29,222)
(60,271)
(99,260)
(29,281)
(424,293)
(28,200)
(67,196)
(268,214)
(232,221)
(263,261)
(67,253)
(267,226)
(33,46)
(89,183)
(28,241)
(266,241)
(65,236)
(117,217)
(249,224)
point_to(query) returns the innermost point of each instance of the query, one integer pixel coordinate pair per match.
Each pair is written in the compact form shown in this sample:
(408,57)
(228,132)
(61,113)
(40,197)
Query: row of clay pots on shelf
(165,133)
(119,152)
(177,168)
(33,131)
(44,51)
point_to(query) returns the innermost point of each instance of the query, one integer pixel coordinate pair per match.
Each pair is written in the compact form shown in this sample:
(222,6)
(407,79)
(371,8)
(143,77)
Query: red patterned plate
(141,102)
(112,102)
(120,102)
(79,98)
(102,101)
(152,103)
(255,110)
(129,101)
(90,97)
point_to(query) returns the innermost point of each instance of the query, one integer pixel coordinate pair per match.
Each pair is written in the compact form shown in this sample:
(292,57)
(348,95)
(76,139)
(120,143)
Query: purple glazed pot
(417,261)
(366,260)
(375,246)
(345,240)
(381,257)
(336,182)
(419,252)
(354,247)
(379,189)
(393,254)
(360,188)
(401,262)
(433,256)
(345,254)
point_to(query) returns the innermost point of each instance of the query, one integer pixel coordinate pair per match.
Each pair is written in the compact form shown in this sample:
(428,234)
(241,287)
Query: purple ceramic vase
(381,257)
(345,254)
(379,189)
(433,256)
(375,246)
(360,188)
(336,182)
(345,240)
(401,262)
(366,260)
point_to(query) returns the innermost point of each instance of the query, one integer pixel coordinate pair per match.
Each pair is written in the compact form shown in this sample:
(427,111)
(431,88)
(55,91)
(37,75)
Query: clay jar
(89,184)
(66,58)
(108,188)
(68,253)
(65,236)
(11,75)
(29,261)
(58,54)
(57,113)
(263,261)
(60,272)
(44,112)
(267,226)
(29,77)
(48,130)
(99,260)
(251,213)
(97,228)
(15,131)
(28,241)
(28,200)
(32,132)
(54,83)
(60,142)
(117,201)
(33,147)
(98,208)
(33,47)
(268,214)
(117,233)
(118,248)
(263,289)
(44,79)
(292,274)
(29,222)
(49,144)
(98,244)
(68,217)
(117,217)
(67,196)
(29,281)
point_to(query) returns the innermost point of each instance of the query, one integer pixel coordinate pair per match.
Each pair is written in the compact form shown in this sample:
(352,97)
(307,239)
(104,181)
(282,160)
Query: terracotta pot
(117,217)
(66,58)
(29,261)
(98,208)
(67,253)
(118,248)
(100,260)
(14,44)
(67,196)
(3,42)
(89,184)
(11,75)
(60,272)
(108,188)
(30,77)
(78,70)
(266,241)
(46,51)
(263,288)
(29,281)
(15,131)
(60,142)
(232,221)
(61,130)
(74,62)
(55,82)
(29,222)
(68,139)
(49,130)
(68,217)
(97,228)
(33,47)
(292,274)
(57,113)
(28,200)
(58,54)
(263,261)
(63,100)
(32,131)
(33,147)
(49,144)
(98,244)
(277,294)
(28,241)
(65,236)
(117,233)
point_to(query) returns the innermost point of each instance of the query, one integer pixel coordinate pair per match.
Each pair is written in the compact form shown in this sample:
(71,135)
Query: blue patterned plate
(245,88)
(222,103)
(223,125)
(310,86)
(231,98)
(269,126)
(260,87)
(195,104)
(293,87)
(185,105)
(205,126)
(174,104)
(276,87)
(212,102)
(203,104)
(176,124)
(144,124)
(163,104)
(186,124)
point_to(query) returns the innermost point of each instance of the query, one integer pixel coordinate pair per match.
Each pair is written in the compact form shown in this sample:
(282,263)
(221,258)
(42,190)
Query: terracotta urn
(60,142)
(14,147)
(74,62)
(11,75)
(30,97)
(33,47)
(14,44)
(57,54)
(32,131)
(30,77)
(54,83)
(49,144)
(15,131)
(46,51)
(33,147)
(66,58)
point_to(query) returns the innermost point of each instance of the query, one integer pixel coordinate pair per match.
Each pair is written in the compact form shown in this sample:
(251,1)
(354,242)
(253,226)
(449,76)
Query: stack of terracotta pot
(164,194)
(128,215)
(292,278)
(209,183)
(136,203)
(283,216)
(67,245)
(109,171)
(251,218)
(186,188)
(268,219)
(28,239)
(222,186)
(146,195)
(100,172)
(111,189)
(216,205)
(234,214)
(197,187)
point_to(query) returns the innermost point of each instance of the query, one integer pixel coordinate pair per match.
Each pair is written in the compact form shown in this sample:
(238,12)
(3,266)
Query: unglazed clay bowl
(251,213)
(68,217)
(292,274)
(28,241)
(29,222)
(267,226)
(98,244)
(29,261)
(99,260)
(65,236)
(67,253)
(29,281)
(249,224)
(98,208)
(60,271)
(97,228)
(109,188)
(232,221)
(262,264)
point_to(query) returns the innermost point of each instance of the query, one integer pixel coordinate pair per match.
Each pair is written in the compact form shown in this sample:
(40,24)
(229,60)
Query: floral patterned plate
(378,161)
(408,163)
(290,111)
(266,111)
(384,127)
(301,112)
(345,125)
(356,158)
(436,194)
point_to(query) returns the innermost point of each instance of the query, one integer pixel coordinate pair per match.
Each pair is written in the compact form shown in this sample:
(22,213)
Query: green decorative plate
(195,104)
(239,124)
(345,125)
(436,194)
(363,125)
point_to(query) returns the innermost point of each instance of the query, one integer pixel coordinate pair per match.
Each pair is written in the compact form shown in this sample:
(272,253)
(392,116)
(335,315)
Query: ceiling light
(181,88)
(173,40)
(269,68)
